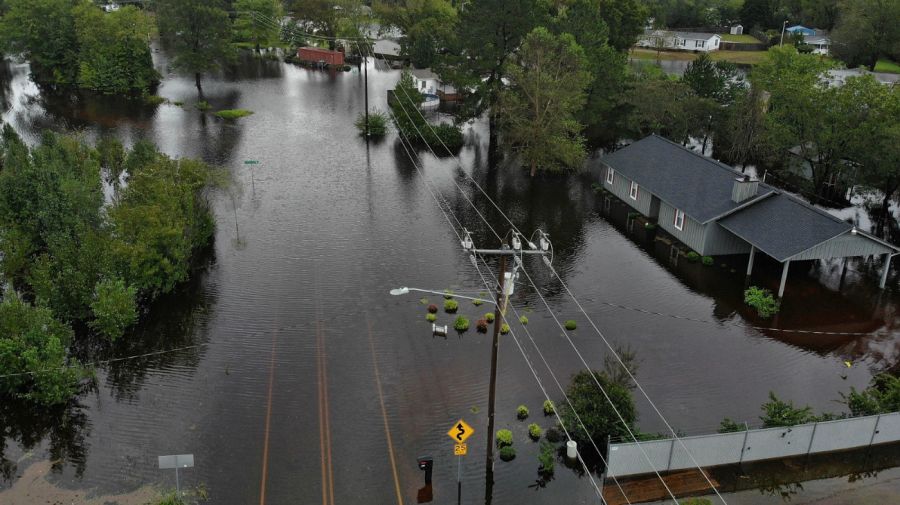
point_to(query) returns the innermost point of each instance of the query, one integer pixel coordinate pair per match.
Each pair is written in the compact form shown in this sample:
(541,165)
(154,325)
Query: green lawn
(740,57)
(887,66)
(743,39)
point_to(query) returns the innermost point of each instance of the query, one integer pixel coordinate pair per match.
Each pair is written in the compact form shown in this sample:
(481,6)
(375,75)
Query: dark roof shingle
(781,226)
(699,186)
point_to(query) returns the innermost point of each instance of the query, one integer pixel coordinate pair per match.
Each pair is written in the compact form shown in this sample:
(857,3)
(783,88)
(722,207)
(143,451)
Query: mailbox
(425,464)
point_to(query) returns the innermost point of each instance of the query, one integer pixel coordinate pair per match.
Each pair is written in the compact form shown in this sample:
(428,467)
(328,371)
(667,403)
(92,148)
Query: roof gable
(695,184)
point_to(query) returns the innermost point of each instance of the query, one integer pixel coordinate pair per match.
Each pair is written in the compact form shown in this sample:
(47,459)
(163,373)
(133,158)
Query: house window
(679,219)
(634,191)
(610,174)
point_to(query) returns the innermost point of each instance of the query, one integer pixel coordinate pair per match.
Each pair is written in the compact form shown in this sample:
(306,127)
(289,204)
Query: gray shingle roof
(695,184)
(782,226)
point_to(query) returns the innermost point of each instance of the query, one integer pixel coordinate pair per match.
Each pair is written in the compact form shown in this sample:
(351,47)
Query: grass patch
(739,57)
(234,113)
(154,100)
(887,66)
(741,39)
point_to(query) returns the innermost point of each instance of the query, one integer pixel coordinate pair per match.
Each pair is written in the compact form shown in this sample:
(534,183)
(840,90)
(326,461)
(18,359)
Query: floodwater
(298,378)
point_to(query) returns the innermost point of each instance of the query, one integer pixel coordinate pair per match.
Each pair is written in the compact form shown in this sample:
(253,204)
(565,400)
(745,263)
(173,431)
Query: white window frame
(610,175)
(633,191)
(679,219)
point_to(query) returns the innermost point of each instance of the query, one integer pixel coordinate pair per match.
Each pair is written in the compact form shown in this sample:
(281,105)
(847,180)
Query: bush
(554,435)
(447,134)
(234,113)
(504,438)
(433,308)
(693,257)
(481,325)
(522,412)
(153,100)
(489,317)
(535,431)
(461,324)
(431,317)
(547,458)
(507,453)
(450,306)
(571,324)
(203,105)
(779,413)
(729,426)
(881,397)
(476,302)
(523,320)
(594,410)
(761,300)
(378,124)
(504,329)
(707,261)
(114,308)
(549,409)
(448,294)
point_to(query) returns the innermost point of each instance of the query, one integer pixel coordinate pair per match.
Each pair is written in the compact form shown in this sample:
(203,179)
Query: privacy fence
(751,445)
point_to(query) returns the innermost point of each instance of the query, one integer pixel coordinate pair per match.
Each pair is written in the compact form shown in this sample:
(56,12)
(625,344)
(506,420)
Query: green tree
(489,32)
(199,32)
(742,136)
(667,107)
(427,27)
(249,25)
(717,80)
(881,397)
(547,79)
(33,344)
(867,30)
(598,416)
(625,19)
(43,31)
(758,14)
(114,308)
(777,413)
(114,56)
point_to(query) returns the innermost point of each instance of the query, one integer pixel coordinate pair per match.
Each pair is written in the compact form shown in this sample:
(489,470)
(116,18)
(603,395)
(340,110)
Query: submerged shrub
(476,302)
(523,320)
(761,300)
(549,409)
(707,261)
(507,453)
(571,324)
(692,257)
(461,324)
(234,113)
(450,306)
(433,308)
(489,317)
(481,325)
(448,294)
(535,431)
(522,412)
(430,317)
(504,329)
(378,123)
(547,458)
(504,438)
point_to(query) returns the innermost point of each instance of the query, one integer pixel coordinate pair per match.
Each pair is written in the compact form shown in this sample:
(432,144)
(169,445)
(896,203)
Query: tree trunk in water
(258,50)
(884,212)
(492,136)
(199,87)
(533,168)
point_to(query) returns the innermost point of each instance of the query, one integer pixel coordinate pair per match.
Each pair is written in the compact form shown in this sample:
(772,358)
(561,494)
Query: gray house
(715,210)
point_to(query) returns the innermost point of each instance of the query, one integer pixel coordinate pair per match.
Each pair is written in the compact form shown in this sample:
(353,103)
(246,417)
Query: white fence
(753,445)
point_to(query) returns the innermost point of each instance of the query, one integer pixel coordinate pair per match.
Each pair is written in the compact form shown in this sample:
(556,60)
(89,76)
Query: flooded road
(300,379)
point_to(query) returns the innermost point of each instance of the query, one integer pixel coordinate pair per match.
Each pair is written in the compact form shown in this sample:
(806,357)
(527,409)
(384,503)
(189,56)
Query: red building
(316,55)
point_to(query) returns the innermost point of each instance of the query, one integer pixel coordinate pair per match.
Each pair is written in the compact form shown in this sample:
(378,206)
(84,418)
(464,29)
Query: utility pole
(543,248)
(366,80)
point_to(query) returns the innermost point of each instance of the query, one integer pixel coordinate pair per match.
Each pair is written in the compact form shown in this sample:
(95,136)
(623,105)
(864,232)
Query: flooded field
(293,376)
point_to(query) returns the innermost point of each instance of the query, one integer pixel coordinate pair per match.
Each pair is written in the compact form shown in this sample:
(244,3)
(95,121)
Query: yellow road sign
(460,431)
(460,449)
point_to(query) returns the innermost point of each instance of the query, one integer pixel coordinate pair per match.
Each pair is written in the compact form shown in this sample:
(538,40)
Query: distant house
(683,41)
(737,30)
(839,76)
(319,56)
(715,210)
(429,83)
(800,29)
(820,43)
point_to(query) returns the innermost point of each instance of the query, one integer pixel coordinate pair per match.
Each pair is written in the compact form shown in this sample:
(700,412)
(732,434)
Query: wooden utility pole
(492,395)
(366,80)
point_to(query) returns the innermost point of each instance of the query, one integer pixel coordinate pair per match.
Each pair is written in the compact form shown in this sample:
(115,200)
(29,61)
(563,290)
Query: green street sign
(251,162)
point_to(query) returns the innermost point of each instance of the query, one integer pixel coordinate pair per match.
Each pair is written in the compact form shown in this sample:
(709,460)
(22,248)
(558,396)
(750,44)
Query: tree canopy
(594,410)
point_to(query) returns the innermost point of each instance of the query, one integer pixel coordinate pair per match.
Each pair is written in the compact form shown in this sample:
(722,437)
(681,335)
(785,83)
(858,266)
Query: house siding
(720,241)
(846,245)
(621,187)
(692,234)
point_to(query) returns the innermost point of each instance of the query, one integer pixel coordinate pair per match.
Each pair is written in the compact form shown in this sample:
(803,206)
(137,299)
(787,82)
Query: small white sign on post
(176,461)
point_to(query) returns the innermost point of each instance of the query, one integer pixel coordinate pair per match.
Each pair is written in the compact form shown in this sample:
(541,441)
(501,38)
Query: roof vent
(744,189)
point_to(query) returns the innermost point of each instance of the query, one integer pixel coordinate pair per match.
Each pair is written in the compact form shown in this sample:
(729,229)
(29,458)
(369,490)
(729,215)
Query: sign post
(252,183)
(459,433)
(176,461)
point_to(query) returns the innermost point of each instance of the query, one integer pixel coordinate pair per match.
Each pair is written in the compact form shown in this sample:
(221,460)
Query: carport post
(750,263)
(784,272)
(885,269)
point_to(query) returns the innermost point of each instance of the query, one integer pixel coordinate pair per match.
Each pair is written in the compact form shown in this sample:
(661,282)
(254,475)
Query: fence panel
(627,459)
(730,448)
(708,450)
(837,435)
(888,428)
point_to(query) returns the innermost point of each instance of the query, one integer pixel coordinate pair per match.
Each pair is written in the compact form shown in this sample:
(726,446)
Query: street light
(405,291)
(783,26)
